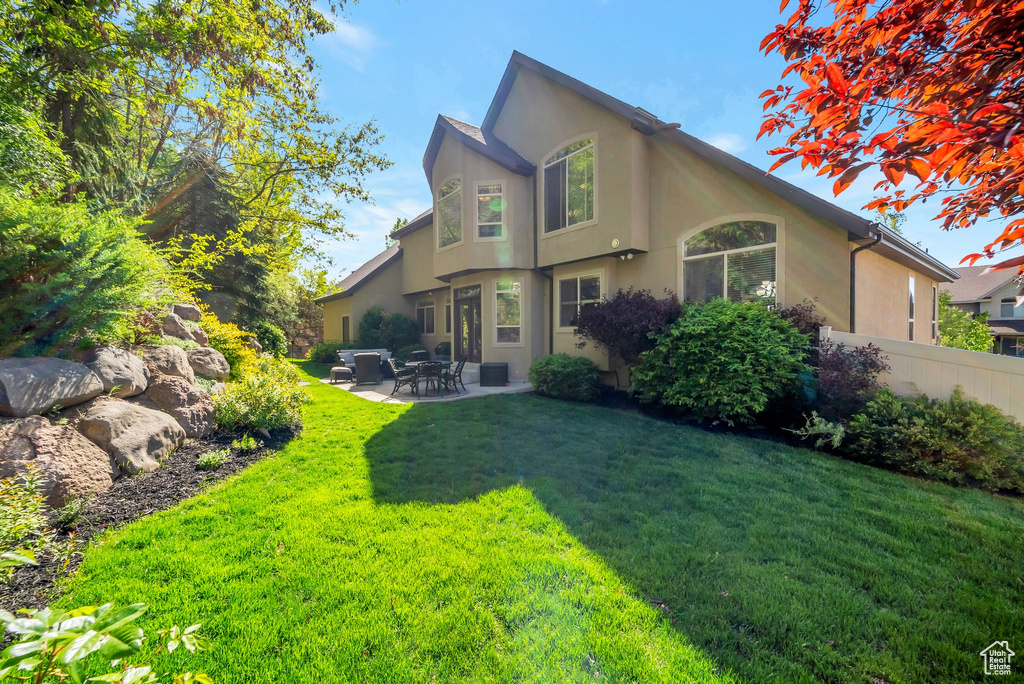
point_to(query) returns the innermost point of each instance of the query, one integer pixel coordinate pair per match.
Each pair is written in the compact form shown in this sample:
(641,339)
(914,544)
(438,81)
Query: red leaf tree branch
(930,91)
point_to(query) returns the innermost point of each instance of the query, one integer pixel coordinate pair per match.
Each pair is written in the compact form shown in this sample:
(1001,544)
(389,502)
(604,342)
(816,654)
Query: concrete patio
(382,393)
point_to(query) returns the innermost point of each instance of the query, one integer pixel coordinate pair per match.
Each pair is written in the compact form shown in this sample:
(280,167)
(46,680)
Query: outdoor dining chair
(404,376)
(430,373)
(451,377)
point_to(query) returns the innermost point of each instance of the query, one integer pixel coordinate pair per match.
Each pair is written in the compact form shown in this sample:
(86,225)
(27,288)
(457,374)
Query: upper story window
(1008,308)
(449,213)
(734,260)
(569,186)
(490,211)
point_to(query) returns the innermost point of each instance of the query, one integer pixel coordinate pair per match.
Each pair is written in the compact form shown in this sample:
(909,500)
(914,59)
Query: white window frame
(462,213)
(935,313)
(504,212)
(542,218)
(912,309)
(522,312)
(424,305)
(777,246)
(599,274)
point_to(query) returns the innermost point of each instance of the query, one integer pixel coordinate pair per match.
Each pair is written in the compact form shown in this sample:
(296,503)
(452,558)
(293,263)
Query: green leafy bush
(246,443)
(232,342)
(66,273)
(55,646)
(956,440)
(403,353)
(267,396)
(370,335)
(211,460)
(23,521)
(327,352)
(723,361)
(566,377)
(379,329)
(272,339)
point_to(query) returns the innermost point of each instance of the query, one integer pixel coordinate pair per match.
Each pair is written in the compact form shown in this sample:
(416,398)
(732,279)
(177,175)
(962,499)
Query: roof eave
(442,126)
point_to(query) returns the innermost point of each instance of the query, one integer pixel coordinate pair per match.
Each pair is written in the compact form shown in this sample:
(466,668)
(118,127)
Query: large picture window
(508,311)
(569,186)
(449,213)
(576,294)
(734,260)
(425,317)
(490,211)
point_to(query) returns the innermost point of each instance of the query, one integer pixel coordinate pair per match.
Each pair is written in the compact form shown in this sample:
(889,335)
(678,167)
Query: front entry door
(468,326)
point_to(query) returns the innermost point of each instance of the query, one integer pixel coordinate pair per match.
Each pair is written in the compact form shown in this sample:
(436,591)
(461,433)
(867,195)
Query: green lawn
(516,538)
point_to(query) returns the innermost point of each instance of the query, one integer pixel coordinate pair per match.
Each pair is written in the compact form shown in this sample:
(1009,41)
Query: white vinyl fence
(917,368)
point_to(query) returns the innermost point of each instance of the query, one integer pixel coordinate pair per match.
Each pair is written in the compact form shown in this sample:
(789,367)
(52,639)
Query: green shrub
(403,353)
(246,443)
(267,396)
(272,339)
(66,273)
(566,377)
(232,342)
(381,330)
(211,460)
(168,341)
(327,352)
(370,335)
(723,361)
(956,440)
(23,522)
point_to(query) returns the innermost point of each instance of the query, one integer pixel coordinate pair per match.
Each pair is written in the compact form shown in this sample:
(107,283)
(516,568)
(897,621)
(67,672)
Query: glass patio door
(468,325)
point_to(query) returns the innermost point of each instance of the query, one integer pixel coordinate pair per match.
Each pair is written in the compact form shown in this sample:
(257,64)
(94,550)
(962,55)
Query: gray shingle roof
(475,139)
(975,285)
(362,275)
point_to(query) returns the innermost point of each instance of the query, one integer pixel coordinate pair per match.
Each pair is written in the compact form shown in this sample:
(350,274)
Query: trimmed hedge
(561,376)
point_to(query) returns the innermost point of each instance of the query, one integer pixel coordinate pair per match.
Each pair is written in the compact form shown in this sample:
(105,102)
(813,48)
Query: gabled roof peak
(474,138)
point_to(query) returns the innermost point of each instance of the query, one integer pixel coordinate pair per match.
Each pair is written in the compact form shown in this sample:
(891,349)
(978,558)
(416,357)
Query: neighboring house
(994,293)
(565,194)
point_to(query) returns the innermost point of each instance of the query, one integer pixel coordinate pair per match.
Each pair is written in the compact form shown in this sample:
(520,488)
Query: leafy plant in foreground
(566,377)
(53,645)
(23,521)
(211,460)
(267,396)
(847,378)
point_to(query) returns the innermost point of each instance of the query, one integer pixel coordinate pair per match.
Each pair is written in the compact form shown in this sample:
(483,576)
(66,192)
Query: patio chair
(453,378)
(430,373)
(419,355)
(368,368)
(404,376)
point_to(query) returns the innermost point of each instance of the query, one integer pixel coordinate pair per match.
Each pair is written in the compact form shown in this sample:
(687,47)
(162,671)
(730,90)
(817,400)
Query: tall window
(346,329)
(449,213)
(732,260)
(569,186)
(935,313)
(490,211)
(911,312)
(576,294)
(507,307)
(425,317)
(448,314)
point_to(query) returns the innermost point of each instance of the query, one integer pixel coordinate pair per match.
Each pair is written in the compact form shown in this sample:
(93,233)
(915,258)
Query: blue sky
(696,63)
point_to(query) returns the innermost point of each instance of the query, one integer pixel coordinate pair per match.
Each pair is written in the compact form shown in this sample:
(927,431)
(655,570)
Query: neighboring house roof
(415,224)
(1006,327)
(976,285)
(363,274)
(892,245)
(473,138)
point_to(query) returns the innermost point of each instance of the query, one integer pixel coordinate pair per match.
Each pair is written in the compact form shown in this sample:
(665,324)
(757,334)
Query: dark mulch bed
(131,498)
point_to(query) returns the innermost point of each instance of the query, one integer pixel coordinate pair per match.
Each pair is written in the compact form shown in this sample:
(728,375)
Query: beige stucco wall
(417,261)
(439,335)
(539,118)
(334,311)
(883,299)
(938,371)
(515,249)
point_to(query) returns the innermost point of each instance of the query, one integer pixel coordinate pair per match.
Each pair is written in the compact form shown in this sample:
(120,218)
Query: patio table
(445,365)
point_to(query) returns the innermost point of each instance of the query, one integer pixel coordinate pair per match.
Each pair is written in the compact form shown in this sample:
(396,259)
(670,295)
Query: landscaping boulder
(200,336)
(168,360)
(254,344)
(119,368)
(35,385)
(175,327)
(72,465)
(138,438)
(190,312)
(186,403)
(209,362)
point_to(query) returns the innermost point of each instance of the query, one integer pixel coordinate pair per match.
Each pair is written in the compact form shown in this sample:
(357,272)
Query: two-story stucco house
(564,195)
(994,293)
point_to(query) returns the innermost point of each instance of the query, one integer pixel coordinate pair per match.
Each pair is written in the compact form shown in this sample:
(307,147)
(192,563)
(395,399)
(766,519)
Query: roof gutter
(853,278)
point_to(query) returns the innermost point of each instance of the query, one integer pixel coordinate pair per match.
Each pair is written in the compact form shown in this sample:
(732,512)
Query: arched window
(734,260)
(449,213)
(569,186)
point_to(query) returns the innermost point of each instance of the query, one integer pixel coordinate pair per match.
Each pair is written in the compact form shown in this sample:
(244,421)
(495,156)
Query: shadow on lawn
(779,563)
